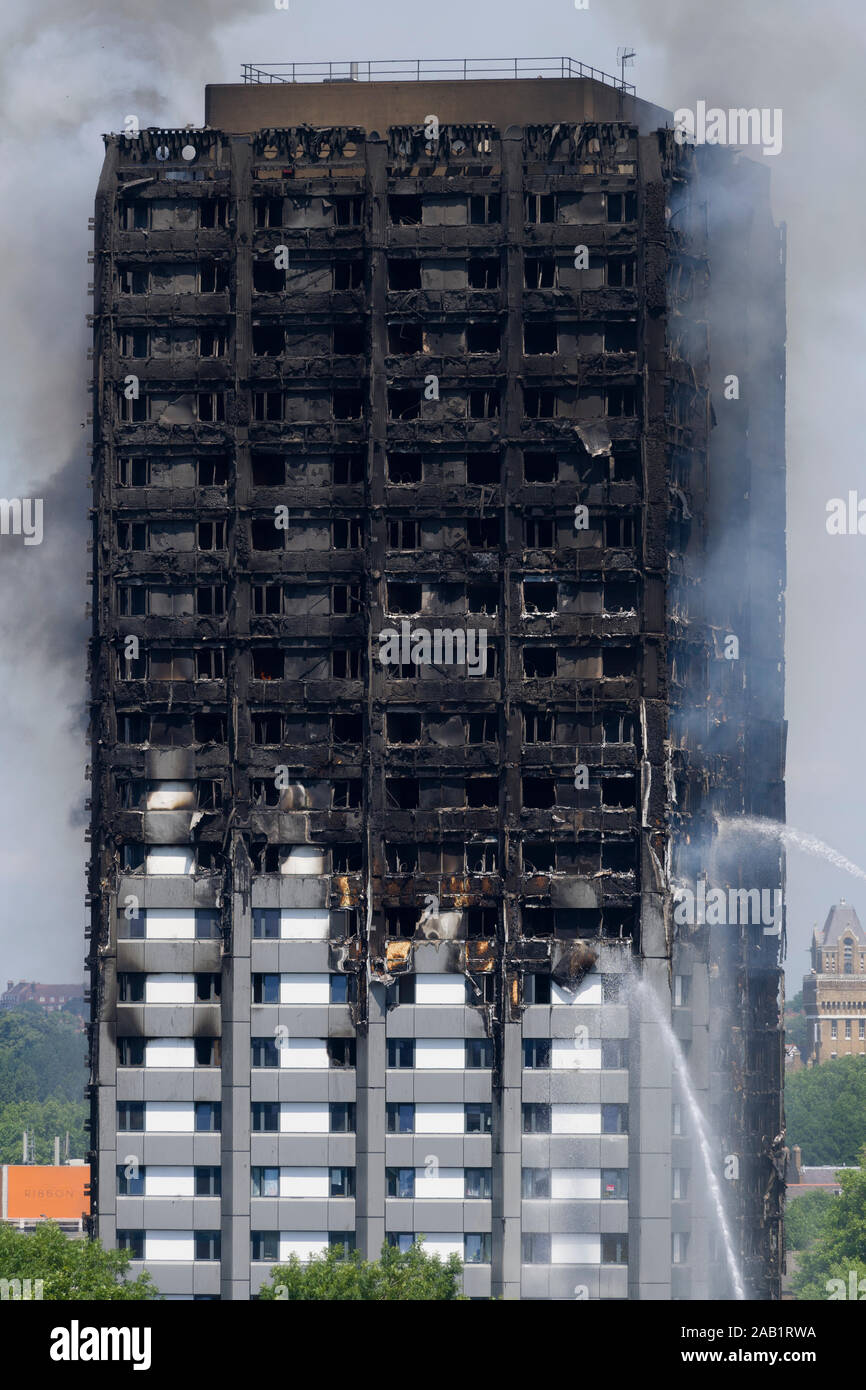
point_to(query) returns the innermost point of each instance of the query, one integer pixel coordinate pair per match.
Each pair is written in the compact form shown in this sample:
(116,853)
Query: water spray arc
(791,839)
(644,991)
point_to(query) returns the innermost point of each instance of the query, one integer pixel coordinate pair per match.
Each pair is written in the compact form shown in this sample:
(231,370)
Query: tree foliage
(43,1119)
(826,1110)
(42,1077)
(411,1275)
(841,1245)
(805,1218)
(795,1022)
(70,1268)
(42,1055)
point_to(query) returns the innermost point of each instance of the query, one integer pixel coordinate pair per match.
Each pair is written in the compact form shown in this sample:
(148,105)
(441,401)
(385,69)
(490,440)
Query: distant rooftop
(428,70)
(841,918)
(820,1177)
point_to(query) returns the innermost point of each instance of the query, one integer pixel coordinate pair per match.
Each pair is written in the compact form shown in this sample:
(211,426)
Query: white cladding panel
(169,924)
(447,1183)
(444,1244)
(304,989)
(587,992)
(303,1052)
(575,1119)
(440,989)
(575,1054)
(440,1054)
(578,1183)
(304,924)
(567,1248)
(169,1182)
(169,1245)
(169,989)
(169,1116)
(305,1182)
(171,796)
(169,1052)
(305,1117)
(304,1244)
(436,1118)
(169,859)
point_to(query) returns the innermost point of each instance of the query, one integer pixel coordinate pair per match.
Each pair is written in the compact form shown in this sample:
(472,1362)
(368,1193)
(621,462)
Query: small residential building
(48,997)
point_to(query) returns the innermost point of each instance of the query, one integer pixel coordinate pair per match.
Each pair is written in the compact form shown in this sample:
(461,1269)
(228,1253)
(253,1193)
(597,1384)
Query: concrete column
(507,1137)
(235,1091)
(371,1050)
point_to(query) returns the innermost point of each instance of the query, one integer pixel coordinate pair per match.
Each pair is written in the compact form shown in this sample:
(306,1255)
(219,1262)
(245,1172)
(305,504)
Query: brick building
(48,997)
(834,993)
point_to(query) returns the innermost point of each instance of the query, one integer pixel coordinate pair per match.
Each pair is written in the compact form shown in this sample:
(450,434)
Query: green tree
(406,1276)
(805,1218)
(43,1119)
(42,1055)
(795,1022)
(42,1077)
(70,1268)
(841,1246)
(819,1281)
(826,1110)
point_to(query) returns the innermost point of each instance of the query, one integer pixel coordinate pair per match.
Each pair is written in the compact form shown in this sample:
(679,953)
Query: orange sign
(35,1190)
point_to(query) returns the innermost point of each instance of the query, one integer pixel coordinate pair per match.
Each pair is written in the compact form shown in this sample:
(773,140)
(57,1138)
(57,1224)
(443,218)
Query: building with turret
(834,993)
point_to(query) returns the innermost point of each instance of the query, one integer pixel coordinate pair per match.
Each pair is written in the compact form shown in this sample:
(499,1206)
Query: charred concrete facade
(363,928)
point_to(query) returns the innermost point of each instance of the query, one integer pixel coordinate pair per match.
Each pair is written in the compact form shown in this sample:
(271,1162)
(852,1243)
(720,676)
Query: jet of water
(645,991)
(791,838)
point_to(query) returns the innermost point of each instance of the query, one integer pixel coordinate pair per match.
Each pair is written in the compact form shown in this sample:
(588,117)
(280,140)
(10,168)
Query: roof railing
(428,70)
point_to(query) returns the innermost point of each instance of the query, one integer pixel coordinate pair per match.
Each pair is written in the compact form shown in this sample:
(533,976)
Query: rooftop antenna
(625,57)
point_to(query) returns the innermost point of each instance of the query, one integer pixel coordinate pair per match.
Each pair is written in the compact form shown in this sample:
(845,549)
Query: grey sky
(71,72)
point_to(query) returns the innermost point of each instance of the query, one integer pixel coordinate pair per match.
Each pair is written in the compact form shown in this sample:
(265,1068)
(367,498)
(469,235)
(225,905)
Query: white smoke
(66,76)
(808,60)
